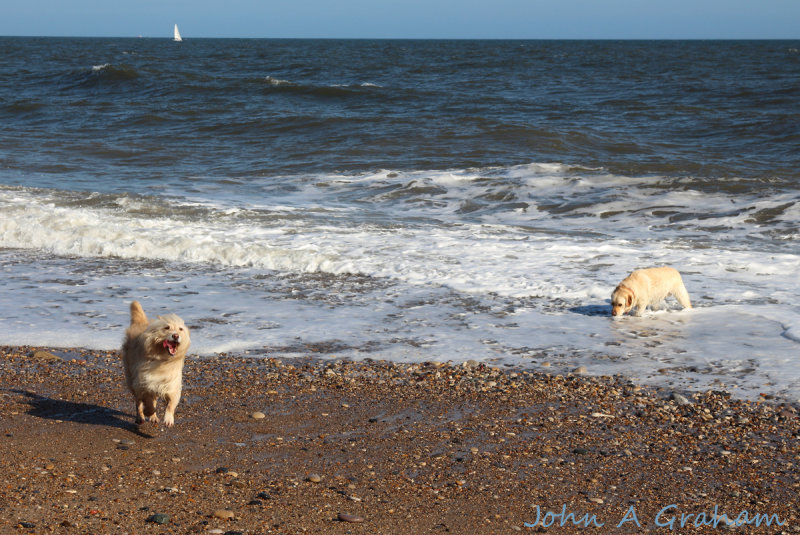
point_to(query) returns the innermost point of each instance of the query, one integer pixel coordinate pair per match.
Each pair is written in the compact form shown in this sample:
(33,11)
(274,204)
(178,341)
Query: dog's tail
(682,295)
(138,316)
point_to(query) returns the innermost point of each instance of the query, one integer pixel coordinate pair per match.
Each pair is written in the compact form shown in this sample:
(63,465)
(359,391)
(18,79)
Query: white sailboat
(177,34)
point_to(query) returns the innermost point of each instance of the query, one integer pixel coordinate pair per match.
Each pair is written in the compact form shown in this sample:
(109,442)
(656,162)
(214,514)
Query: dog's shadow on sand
(84,413)
(592,310)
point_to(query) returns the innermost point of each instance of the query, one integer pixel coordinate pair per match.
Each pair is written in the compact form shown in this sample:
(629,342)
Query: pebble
(345,517)
(314,478)
(679,399)
(258,415)
(224,514)
(44,355)
(580,370)
(158,518)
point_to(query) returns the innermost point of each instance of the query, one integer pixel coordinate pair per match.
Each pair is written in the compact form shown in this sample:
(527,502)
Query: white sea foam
(277,81)
(506,284)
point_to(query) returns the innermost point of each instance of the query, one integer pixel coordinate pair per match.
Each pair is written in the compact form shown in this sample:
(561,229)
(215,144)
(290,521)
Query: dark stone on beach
(27,525)
(353,519)
(158,518)
(580,451)
(263,496)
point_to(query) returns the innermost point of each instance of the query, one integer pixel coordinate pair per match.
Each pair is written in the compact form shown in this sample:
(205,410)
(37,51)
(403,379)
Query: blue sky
(494,19)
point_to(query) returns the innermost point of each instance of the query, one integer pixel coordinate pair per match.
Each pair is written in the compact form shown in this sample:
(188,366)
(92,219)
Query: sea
(472,201)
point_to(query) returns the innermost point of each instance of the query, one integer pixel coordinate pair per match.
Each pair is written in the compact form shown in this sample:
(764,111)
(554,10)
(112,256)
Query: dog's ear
(630,299)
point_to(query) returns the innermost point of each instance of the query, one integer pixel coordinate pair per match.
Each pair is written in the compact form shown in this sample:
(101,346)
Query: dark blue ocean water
(420,200)
(100,110)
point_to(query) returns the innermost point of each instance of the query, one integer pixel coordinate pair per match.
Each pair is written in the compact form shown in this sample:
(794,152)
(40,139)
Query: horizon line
(419,38)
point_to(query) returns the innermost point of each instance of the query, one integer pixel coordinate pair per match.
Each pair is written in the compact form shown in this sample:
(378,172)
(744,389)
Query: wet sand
(377,447)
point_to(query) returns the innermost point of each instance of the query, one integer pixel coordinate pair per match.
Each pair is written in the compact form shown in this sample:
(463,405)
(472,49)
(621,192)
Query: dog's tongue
(170,346)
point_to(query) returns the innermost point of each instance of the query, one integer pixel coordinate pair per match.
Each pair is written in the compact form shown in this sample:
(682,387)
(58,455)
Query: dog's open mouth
(170,346)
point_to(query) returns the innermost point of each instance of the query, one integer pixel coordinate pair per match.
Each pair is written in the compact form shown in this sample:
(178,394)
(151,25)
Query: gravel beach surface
(263,445)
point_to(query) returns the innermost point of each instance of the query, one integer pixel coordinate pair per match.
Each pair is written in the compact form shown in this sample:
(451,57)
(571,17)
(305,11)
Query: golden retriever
(153,353)
(647,287)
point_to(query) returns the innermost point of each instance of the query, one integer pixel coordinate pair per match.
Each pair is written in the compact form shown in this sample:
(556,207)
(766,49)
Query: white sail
(177,34)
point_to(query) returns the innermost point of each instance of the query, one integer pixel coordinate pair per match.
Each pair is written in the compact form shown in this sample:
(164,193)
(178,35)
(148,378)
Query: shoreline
(382,447)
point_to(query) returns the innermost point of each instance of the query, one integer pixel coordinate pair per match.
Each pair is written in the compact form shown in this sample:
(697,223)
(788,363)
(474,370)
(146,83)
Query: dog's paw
(152,418)
(169,420)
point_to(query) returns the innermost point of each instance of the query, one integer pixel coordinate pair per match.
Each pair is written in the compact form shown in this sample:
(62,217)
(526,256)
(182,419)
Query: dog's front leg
(172,399)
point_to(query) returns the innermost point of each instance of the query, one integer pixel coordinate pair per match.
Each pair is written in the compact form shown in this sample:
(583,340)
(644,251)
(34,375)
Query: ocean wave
(551,197)
(419,232)
(24,106)
(100,76)
(328,90)
(276,82)
(578,199)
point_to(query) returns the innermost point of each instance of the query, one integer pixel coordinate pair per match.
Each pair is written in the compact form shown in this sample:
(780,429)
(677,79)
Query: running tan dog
(153,354)
(647,287)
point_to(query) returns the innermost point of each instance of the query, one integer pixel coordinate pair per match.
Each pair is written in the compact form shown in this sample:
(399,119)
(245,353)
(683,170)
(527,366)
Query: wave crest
(101,76)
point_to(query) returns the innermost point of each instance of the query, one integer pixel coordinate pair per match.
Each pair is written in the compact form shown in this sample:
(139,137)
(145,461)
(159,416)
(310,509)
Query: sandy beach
(264,445)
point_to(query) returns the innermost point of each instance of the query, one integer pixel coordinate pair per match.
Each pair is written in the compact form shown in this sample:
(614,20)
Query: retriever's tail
(682,295)
(138,316)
